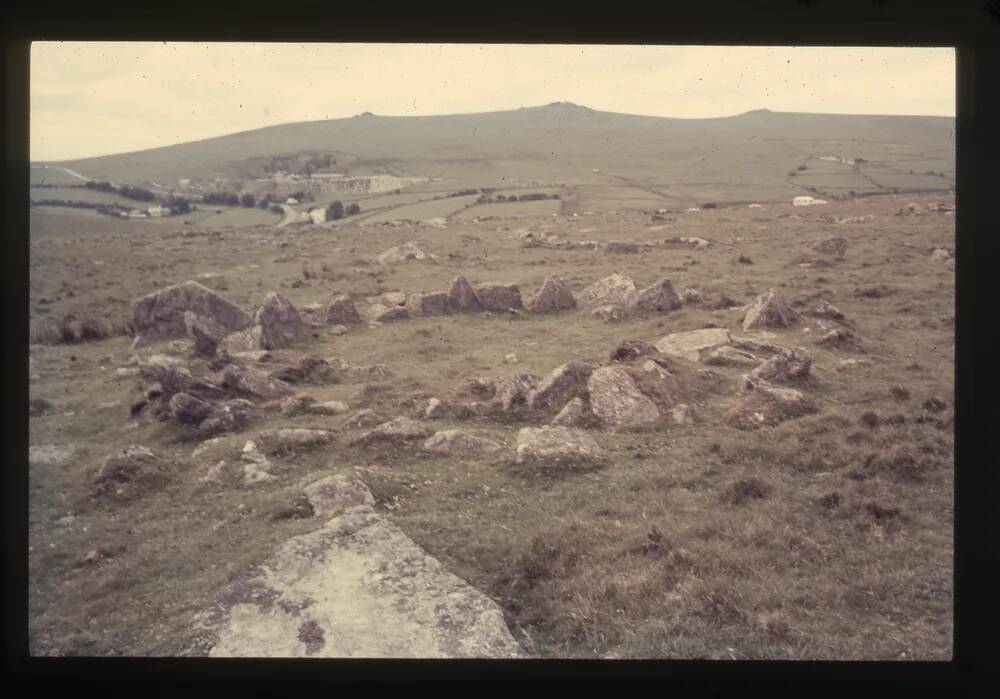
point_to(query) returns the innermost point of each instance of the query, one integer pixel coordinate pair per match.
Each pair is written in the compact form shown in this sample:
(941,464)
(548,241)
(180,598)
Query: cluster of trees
(337,210)
(178,205)
(223,198)
(116,210)
(501,198)
(246,199)
(461,193)
(137,193)
(174,205)
(72,204)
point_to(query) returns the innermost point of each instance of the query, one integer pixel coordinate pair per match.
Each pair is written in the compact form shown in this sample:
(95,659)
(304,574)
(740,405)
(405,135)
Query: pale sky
(98,98)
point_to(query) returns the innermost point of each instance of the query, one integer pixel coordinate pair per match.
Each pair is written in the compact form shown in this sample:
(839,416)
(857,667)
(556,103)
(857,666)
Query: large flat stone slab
(357,587)
(693,344)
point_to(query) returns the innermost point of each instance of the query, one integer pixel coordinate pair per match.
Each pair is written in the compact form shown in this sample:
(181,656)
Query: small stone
(330,407)
(681,414)
(342,312)
(556,445)
(769,310)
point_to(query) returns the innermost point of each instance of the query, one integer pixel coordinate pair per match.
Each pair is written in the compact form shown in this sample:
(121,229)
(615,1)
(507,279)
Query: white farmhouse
(807,201)
(291,201)
(156,210)
(317,215)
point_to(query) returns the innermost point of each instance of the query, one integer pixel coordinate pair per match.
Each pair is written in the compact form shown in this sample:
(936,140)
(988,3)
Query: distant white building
(755,206)
(317,215)
(137,213)
(156,210)
(807,201)
(291,201)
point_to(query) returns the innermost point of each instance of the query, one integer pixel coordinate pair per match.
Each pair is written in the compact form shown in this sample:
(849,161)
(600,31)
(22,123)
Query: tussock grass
(663,551)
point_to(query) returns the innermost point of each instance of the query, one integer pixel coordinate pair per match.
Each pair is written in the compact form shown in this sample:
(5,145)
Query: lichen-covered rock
(254,382)
(461,442)
(552,296)
(576,413)
(762,405)
(435,409)
(391,314)
(299,367)
(233,416)
(402,253)
(558,445)
(499,297)
(691,296)
(615,289)
(769,310)
(294,406)
(617,402)
(188,409)
(436,303)
(392,298)
(205,332)
(332,495)
(400,430)
(329,407)
(563,383)
(356,587)
(364,418)
(250,339)
(280,322)
(693,344)
(172,377)
(161,313)
(682,414)
(840,339)
(342,311)
(291,439)
(657,297)
(825,309)
(507,392)
(787,365)
(463,297)
(730,356)
(610,313)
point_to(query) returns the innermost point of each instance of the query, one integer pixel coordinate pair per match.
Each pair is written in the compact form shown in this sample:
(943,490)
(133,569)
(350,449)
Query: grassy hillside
(668,159)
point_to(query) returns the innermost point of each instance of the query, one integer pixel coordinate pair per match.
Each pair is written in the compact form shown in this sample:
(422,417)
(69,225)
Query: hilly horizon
(571,145)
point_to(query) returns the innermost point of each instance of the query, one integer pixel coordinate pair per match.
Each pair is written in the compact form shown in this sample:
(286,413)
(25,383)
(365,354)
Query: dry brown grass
(668,550)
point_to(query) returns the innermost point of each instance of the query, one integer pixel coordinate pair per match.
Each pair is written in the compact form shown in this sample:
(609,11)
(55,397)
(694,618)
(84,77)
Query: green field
(424,210)
(234,216)
(746,157)
(87,195)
